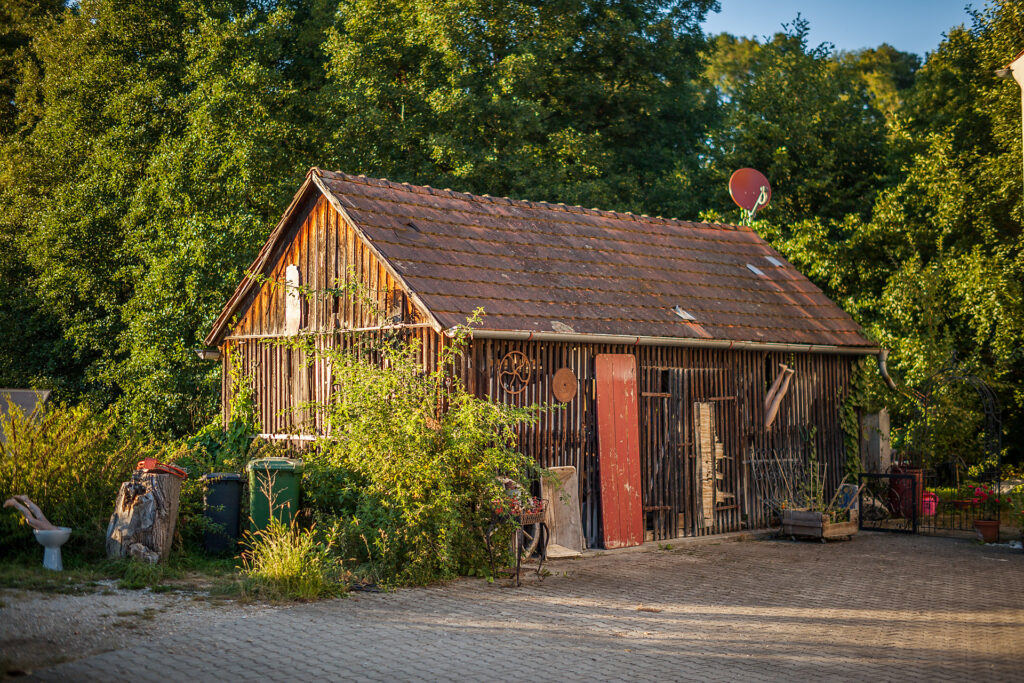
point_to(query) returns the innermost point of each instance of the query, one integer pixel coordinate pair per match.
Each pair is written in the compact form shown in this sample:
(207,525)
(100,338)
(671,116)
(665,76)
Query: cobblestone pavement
(882,607)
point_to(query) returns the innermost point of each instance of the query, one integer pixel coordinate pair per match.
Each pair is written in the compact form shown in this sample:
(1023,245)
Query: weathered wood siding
(329,255)
(671,380)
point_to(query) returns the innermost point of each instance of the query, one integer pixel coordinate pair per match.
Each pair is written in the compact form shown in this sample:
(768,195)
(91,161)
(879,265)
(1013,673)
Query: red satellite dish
(750,190)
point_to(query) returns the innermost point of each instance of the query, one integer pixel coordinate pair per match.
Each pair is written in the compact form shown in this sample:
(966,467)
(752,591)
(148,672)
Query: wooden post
(146,511)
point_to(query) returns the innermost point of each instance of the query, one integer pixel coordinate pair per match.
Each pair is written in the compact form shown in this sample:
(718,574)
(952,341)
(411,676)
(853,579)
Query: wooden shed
(662,338)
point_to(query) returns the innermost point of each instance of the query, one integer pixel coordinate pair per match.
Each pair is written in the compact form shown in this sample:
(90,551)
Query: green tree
(802,118)
(588,102)
(19,21)
(251,127)
(938,269)
(887,73)
(88,116)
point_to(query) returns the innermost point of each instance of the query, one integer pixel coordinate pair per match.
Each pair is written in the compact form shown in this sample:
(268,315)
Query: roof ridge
(527,203)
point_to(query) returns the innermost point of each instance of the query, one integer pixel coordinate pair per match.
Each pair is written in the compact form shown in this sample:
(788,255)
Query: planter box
(807,524)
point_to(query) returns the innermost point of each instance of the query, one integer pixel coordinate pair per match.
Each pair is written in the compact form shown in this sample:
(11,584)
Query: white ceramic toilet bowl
(52,540)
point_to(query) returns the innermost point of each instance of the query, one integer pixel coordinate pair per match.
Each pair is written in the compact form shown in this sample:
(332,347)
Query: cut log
(145,514)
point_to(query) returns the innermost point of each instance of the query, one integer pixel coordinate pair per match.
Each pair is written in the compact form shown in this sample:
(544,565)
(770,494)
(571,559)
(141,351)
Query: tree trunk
(142,525)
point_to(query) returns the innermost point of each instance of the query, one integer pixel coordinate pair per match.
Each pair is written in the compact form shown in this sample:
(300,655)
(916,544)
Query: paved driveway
(882,607)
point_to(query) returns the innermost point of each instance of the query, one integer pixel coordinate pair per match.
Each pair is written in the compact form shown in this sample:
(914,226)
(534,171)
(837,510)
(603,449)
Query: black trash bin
(222,505)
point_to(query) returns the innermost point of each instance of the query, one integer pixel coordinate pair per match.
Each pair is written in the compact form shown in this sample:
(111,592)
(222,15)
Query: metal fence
(910,502)
(889,502)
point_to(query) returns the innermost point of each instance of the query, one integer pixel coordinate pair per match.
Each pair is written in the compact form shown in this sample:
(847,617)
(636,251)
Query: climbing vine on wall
(861,396)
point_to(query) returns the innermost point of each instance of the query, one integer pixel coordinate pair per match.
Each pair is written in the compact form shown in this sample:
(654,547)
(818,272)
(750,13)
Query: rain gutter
(632,340)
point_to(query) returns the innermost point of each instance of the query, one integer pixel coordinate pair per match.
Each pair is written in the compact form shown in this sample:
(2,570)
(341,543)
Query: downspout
(883,356)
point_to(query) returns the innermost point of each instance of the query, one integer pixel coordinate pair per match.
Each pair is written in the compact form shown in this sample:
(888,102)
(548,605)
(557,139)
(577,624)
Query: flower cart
(531,533)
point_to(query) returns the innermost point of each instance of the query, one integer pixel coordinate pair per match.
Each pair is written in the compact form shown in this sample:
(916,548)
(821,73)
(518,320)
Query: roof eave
(634,340)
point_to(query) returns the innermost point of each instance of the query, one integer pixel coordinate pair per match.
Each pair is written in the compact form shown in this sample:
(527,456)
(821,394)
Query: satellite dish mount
(750,190)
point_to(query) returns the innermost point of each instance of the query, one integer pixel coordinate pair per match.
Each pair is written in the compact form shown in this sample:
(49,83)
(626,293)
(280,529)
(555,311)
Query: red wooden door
(618,445)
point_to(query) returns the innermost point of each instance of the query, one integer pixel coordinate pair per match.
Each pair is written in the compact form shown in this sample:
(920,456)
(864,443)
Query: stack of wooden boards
(710,457)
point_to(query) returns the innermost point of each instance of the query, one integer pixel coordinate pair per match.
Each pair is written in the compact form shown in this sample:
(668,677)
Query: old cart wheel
(530,540)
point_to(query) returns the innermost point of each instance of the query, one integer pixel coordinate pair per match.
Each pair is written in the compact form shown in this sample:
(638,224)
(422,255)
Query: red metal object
(154,465)
(745,188)
(618,443)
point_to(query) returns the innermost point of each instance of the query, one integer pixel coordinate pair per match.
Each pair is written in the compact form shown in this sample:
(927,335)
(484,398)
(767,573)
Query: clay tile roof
(531,264)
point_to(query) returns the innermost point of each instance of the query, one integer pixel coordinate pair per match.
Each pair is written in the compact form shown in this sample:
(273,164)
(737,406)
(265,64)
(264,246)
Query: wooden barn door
(618,445)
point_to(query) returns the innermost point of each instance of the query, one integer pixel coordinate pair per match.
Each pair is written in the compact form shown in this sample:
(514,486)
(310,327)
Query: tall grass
(285,562)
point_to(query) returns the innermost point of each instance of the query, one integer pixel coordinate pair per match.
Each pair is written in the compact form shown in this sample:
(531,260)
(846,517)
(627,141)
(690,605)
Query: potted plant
(813,518)
(988,502)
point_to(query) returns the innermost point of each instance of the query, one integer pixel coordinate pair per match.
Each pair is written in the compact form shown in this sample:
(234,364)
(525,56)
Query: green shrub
(289,563)
(410,465)
(71,462)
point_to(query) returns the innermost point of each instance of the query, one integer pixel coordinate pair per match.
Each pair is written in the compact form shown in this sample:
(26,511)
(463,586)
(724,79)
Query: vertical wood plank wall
(670,380)
(329,256)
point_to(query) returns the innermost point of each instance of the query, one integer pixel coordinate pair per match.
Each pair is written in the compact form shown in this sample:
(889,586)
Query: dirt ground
(39,629)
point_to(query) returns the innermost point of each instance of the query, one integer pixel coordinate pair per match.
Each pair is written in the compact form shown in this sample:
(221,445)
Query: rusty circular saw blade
(564,385)
(745,189)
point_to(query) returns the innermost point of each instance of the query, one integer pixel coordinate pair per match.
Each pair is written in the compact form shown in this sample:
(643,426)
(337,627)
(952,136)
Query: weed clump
(286,562)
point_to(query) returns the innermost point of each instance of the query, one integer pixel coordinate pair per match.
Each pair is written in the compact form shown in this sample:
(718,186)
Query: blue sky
(909,25)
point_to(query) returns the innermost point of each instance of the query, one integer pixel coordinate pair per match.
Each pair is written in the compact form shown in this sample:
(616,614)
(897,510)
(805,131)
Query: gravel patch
(39,629)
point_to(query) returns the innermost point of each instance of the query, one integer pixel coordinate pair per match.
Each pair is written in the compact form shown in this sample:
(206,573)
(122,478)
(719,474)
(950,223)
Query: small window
(774,261)
(755,270)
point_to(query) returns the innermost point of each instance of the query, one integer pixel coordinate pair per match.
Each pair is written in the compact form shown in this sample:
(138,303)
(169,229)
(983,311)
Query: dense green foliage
(410,466)
(937,268)
(802,118)
(147,148)
(71,464)
(586,101)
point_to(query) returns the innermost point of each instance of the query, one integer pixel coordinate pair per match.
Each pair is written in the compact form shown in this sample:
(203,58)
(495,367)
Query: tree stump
(145,513)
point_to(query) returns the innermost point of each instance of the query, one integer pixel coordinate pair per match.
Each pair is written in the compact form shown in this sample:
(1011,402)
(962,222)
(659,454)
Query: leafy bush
(411,464)
(1016,505)
(286,562)
(71,462)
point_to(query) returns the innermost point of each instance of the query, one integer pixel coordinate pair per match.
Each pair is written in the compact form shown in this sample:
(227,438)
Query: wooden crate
(807,524)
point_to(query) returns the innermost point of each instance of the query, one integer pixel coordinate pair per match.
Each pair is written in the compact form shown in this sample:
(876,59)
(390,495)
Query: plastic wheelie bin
(273,490)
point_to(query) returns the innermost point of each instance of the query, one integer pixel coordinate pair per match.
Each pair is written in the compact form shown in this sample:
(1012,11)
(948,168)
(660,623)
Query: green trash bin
(273,488)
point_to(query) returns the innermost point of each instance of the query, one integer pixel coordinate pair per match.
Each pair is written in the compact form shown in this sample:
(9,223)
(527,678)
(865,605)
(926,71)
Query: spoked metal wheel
(525,541)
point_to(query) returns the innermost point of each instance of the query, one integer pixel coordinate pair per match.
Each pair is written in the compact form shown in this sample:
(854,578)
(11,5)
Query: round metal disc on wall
(564,385)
